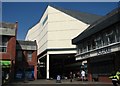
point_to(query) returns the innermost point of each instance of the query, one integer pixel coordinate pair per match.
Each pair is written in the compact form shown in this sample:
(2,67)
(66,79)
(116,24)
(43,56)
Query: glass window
(93,44)
(105,39)
(111,36)
(118,32)
(89,45)
(83,47)
(29,55)
(98,42)
(45,20)
(3,44)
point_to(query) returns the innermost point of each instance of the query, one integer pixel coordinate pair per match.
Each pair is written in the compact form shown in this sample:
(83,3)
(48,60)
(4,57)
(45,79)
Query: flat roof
(22,42)
(7,25)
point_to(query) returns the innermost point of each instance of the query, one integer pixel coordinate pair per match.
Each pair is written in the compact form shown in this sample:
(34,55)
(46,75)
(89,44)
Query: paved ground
(63,83)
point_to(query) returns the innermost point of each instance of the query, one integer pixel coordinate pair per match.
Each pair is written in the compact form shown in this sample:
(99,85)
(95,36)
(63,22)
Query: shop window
(45,20)
(29,55)
(3,44)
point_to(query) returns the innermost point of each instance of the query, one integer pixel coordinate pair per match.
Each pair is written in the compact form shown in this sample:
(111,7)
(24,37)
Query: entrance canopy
(5,64)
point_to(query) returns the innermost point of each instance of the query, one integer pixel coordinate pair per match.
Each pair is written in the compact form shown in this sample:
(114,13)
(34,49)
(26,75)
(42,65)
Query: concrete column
(47,67)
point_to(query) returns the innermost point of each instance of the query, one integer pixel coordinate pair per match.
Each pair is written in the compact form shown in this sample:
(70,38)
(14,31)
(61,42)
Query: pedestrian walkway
(63,83)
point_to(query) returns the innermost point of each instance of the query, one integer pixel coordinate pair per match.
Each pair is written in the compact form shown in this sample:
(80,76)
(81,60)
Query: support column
(47,67)
(35,72)
(89,71)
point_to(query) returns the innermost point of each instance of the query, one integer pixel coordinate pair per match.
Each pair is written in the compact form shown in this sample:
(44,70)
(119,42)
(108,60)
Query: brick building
(8,47)
(15,54)
(26,59)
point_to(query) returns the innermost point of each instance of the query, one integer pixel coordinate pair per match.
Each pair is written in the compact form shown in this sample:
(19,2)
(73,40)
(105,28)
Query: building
(8,48)
(53,34)
(99,45)
(16,56)
(26,59)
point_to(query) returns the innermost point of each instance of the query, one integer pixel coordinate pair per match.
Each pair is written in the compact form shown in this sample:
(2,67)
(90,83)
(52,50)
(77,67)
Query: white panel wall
(62,29)
(39,33)
(57,32)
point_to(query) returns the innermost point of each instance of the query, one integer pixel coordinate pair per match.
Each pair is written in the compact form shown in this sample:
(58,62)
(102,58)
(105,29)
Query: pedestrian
(71,76)
(74,76)
(115,78)
(83,75)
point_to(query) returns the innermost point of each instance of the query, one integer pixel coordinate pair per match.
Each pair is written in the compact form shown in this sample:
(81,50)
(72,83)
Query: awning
(5,64)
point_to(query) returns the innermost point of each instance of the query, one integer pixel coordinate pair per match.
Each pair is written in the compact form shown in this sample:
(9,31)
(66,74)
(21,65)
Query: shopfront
(6,65)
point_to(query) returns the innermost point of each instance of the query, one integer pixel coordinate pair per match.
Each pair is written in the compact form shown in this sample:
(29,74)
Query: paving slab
(53,83)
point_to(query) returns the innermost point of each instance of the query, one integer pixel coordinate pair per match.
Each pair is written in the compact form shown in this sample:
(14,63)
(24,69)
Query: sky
(29,13)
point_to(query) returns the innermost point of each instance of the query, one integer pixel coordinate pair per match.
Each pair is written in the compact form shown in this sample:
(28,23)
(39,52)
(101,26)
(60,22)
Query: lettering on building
(103,51)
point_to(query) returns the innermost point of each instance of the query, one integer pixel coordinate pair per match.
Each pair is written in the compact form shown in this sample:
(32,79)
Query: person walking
(83,75)
(71,76)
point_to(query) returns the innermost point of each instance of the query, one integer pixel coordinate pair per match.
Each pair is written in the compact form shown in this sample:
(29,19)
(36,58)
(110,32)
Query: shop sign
(85,55)
(103,51)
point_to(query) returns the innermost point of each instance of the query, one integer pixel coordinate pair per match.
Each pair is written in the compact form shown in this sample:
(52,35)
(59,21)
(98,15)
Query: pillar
(89,70)
(35,72)
(47,66)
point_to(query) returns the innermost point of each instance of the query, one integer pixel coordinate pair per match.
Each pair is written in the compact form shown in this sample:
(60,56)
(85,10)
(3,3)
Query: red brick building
(8,47)
(26,59)
(15,55)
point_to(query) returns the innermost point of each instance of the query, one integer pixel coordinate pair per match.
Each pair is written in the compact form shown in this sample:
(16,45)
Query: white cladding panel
(67,25)
(57,32)
(62,28)
(60,44)
(59,35)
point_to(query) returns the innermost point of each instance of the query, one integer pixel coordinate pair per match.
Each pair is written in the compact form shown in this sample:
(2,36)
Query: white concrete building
(54,32)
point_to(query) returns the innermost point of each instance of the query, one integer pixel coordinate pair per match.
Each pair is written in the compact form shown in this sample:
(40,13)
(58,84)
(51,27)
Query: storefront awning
(5,64)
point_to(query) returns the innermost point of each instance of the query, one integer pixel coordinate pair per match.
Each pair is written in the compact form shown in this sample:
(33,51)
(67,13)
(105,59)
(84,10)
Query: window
(111,36)
(19,55)
(93,44)
(84,48)
(3,44)
(98,42)
(29,55)
(105,39)
(118,32)
(89,45)
(45,20)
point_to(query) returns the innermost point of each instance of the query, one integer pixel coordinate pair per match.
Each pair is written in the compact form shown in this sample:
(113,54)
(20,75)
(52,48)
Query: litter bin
(58,79)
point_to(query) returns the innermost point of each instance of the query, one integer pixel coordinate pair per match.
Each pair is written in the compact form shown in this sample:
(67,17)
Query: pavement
(53,83)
